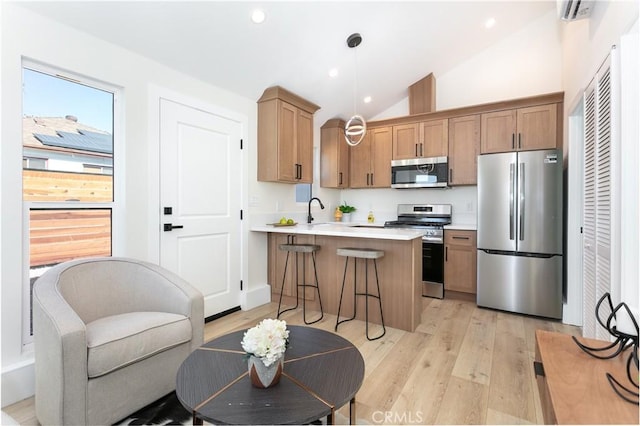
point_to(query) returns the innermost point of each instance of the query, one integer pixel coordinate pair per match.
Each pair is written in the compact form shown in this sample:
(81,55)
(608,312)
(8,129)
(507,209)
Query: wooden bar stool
(366,254)
(298,249)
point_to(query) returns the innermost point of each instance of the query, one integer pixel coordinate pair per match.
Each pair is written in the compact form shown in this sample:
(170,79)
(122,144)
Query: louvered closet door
(589,214)
(603,190)
(597,200)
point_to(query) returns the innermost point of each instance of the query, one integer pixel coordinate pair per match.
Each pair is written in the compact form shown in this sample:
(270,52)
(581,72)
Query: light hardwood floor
(463,365)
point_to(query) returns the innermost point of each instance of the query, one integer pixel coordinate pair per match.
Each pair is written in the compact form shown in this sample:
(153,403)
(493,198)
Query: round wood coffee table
(322,372)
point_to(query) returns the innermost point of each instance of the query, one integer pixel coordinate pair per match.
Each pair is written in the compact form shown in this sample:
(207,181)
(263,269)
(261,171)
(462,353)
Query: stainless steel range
(430,218)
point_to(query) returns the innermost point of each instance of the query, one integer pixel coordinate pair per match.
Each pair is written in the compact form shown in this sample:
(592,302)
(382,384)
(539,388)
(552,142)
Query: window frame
(115,205)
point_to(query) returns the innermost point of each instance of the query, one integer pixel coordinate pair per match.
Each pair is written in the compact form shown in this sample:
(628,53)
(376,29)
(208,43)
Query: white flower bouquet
(268,340)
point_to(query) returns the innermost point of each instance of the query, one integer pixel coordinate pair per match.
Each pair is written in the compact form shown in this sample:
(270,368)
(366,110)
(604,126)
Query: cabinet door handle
(455,237)
(446,253)
(371,179)
(367,179)
(519,140)
(420,150)
(450,175)
(513,141)
(340,178)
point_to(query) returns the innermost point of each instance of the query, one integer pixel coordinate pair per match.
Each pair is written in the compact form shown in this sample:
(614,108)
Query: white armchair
(110,334)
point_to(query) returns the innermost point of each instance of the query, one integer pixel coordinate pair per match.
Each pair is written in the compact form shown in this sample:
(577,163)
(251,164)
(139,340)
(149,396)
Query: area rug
(168,411)
(165,411)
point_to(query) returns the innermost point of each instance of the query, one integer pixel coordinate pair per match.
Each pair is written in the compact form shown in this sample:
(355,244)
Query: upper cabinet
(285,137)
(464,147)
(370,162)
(334,155)
(521,129)
(422,139)
(422,95)
(460,134)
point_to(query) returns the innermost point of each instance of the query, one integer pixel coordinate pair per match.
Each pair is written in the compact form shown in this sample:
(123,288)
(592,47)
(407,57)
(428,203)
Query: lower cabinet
(460,260)
(277,259)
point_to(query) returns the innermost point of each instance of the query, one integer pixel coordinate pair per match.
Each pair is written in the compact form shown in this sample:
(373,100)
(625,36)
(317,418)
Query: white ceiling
(299,42)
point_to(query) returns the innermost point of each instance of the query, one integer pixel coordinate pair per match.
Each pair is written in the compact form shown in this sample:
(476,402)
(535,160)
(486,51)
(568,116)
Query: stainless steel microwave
(420,173)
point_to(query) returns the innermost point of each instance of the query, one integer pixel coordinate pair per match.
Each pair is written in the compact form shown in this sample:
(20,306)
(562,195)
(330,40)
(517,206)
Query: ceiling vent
(571,10)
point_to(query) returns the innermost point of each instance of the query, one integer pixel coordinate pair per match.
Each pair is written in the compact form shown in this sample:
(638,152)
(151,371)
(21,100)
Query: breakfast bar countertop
(336,229)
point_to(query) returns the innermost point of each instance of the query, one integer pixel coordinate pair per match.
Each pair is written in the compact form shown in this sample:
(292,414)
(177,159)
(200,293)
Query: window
(68,170)
(34,163)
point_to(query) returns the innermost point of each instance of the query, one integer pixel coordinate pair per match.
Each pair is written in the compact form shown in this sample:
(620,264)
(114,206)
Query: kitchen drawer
(460,237)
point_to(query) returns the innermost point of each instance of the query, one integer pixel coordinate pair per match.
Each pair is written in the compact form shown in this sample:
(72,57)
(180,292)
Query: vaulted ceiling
(300,41)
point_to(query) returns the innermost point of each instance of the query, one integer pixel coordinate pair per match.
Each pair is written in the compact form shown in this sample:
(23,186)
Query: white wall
(25,34)
(525,64)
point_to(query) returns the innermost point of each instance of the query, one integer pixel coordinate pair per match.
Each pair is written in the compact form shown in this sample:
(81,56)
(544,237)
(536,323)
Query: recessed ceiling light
(258,16)
(333,72)
(489,23)
(367,99)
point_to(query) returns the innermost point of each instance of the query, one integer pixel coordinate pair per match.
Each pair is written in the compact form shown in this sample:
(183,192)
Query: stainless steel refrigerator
(520,232)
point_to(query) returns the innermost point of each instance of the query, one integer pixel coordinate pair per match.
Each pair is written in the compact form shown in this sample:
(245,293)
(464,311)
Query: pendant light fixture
(356,127)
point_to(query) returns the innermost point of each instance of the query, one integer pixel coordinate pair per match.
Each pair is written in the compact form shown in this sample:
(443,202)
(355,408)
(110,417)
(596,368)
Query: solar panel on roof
(86,141)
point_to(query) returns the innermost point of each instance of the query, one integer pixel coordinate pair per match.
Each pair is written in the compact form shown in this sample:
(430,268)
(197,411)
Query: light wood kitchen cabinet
(460,260)
(521,129)
(370,161)
(435,137)
(464,147)
(420,140)
(285,137)
(276,263)
(422,95)
(334,155)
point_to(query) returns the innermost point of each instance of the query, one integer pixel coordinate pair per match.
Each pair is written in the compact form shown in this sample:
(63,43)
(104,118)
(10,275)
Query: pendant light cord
(355,86)
(356,128)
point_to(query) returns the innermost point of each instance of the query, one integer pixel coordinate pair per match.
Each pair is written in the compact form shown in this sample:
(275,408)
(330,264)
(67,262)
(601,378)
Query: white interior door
(200,175)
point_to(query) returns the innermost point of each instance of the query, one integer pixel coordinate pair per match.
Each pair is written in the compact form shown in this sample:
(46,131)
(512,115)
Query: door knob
(171,227)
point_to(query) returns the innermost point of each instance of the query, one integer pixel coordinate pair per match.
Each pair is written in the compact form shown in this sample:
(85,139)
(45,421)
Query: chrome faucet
(309,217)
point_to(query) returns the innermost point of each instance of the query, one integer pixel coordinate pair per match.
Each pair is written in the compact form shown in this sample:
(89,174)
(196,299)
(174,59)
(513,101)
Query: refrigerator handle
(511,200)
(522,200)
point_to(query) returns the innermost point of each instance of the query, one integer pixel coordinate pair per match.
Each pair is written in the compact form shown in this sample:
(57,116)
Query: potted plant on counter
(346,211)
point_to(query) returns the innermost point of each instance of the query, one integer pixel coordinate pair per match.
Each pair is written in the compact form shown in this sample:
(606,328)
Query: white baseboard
(256,297)
(18,382)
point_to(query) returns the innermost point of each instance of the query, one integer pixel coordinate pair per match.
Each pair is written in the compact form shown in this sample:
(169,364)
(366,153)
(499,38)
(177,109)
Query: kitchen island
(399,271)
